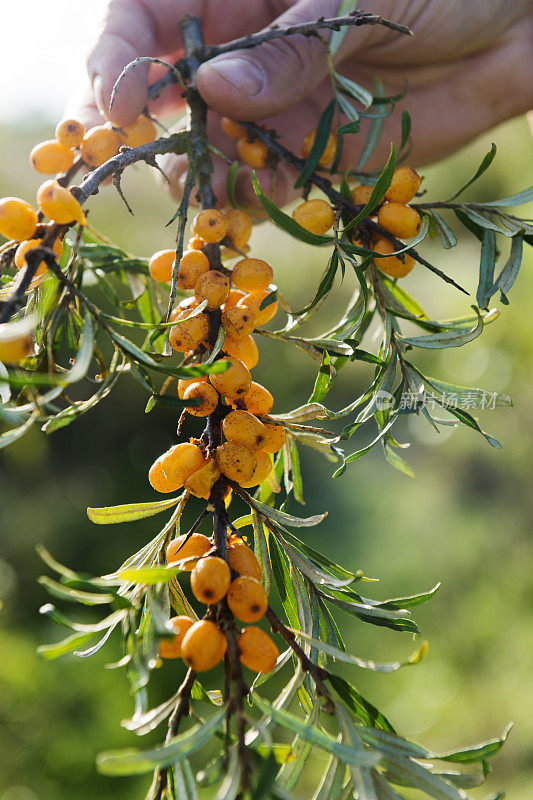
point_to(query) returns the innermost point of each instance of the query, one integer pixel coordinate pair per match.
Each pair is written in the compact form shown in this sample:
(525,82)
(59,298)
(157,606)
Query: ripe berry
(184,308)
(235,461)
(211,225)
(51,157)
(193,265)
(188,333)
(238,322)
(232,128)
(247,599)
(400,220)
(275,437)
(243,428)
(29,244)
(242,559)
(245,349)
(160,265)
(180,461)
(392,265)
(252,275)
(99,145)
(316,216)
(207,395)
(195,243)
(257,650)
(258,400)
(404,185)
(183,383)
(262,470)
(254,153)
(18,219)
(254,301)
(329,151)
(212,286)
(235,382)
(210,580)
(13,346)
(70,132)
(233,298)
(171,648)
(361,195)
(239,227)
(159,480)
(196,546)
(59,204)
(201,482)
(139,132)
(203,646)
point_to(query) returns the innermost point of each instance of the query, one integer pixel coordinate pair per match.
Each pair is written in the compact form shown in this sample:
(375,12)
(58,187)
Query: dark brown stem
(181,710)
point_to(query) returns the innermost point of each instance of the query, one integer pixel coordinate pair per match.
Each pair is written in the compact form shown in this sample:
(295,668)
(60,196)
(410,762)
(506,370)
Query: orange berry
(207,395)
(255,153)
(361,195)
(401,220)
(51,157)
(159,480)
(201,482)
(70,132)
(257,650)
(160,265)
(195,243)
(183,383)
(99,145)
(316,216)
(139,132)
(183,309)
(243,428)
(59,204)
(247,599)
(238,322)
(261,472)
(275,438)
(245,349)
(233,298)
(404,185)
(235,382)
(241,558)
(393,265)
(180,461)
(29,244)
(235,461)
(232,128)
(210,224)
(329,151)
(188,333)
(210,580)
(239,227)
(14,345)
(253,301)
(195,546)
(18,219)
(193,265)
(252,275)
(171,648)
(258,400)
(203,646)
(212,286)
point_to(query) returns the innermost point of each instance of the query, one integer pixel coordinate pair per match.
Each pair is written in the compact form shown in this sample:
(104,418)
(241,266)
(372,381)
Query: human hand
(467,68)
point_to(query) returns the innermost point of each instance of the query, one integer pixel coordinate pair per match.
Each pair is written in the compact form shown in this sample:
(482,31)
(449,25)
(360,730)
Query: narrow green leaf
(323,380)
(509,273)
(230,183)
(287,519)
(378,192)
(319,144)
(485,164)
(486,269)
(478,752)
(446,234)
(110,515)
(51,651)
(406,128)
(355,701)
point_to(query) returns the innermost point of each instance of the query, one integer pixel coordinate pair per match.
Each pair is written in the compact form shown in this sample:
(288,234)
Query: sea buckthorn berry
(59,204)
(201,482)
(212,286)
(404,185)
(254,153)
(235,461)
(257,650)
(401,220)
(180,461)
(232,128)
(210,224)
(193,265)
(70,132)
(183,309)
(241,558)
(98,145)
(195,243)
(243,428)
(195,546)
(258,400)
(262,470)
(51,157)
(235,382)
(275,438)
(29,244)
(18,219)
(247,599)
(203,646)
(361,195)
(188,333)
(207,395)
(245,349)
(239,227)
(210,580)
(184,383)
(159,480)
(392,265)
(139,132)
(316,216)
(160,265)
(13,346)
(171,648)
(238,322)
(233,298)
(329,151)
(254,301)
(252,275)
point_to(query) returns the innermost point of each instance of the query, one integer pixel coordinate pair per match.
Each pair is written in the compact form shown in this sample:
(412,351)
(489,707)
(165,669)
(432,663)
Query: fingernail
(247,76)
(98,91)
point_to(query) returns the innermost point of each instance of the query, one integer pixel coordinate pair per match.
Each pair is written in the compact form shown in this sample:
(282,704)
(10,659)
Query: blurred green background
(465,519)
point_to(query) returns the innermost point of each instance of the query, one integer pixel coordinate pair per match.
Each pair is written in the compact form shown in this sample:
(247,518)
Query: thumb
(259,82)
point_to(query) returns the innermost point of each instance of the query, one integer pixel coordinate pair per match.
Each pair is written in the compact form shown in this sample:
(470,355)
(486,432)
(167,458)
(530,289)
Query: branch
(181,710)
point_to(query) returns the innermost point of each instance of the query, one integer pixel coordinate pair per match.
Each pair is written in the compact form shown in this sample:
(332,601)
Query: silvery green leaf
(337,37)
(144,723)
(485,164)
(486,269)
(448,338)
(354,90)
(447,236)
(287,519)
(517,199)
(488,223)
(509,273)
